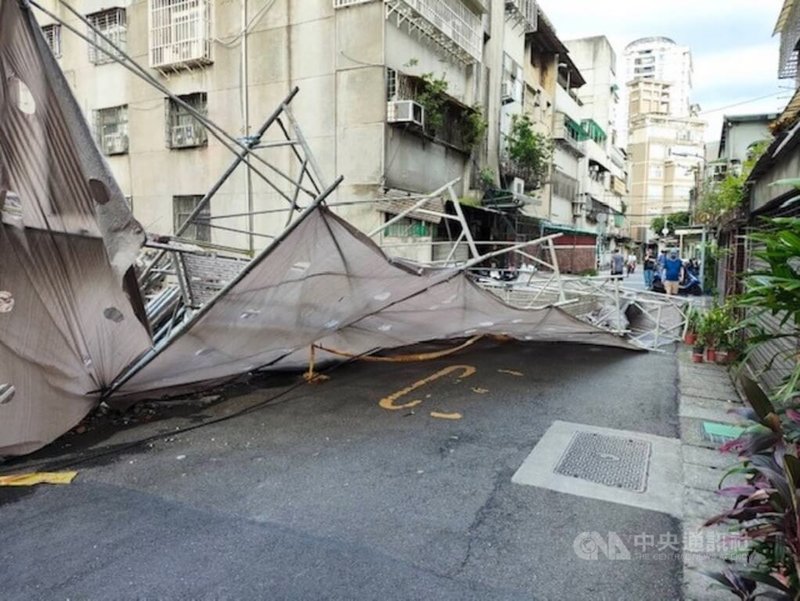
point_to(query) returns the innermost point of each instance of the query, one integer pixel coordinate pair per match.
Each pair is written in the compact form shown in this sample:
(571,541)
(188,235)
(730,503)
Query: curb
(706,396)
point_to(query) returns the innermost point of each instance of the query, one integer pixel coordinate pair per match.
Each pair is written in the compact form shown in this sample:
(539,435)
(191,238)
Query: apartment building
(607,163)
(662,59)
(665,154)
(361,67)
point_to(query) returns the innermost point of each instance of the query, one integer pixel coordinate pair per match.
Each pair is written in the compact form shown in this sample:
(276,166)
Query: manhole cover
(608,460)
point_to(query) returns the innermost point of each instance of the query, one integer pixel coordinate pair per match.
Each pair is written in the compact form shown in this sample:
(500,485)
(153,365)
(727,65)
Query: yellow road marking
(478,390)
(440,415)
(511,372)
(388,402)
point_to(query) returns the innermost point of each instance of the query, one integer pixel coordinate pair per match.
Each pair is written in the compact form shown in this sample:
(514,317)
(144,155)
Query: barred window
(183,129)
(565,186)
(112,23)
(408,227)
(111,129)
(182,207)
(180,33)
(52,34)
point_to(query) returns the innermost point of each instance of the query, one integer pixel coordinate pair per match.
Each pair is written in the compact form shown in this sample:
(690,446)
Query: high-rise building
(661,59)
(665,138)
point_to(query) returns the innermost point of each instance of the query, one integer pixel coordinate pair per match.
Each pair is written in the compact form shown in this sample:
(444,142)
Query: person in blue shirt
(673,273)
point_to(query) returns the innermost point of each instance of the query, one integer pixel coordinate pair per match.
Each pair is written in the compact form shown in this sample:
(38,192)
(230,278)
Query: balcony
(568,133)
(617,157)
(524,12)
(450,24)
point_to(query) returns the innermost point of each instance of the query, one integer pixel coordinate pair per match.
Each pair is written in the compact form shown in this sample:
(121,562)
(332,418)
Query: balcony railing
(525,12)
(448,23)
(616,156)
(562,134)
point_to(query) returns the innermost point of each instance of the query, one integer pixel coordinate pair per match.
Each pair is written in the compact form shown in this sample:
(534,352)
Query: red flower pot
(697,356)
(690,338)
(711,355)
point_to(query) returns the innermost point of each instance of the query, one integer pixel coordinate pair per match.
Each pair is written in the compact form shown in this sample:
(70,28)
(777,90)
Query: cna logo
(592,546)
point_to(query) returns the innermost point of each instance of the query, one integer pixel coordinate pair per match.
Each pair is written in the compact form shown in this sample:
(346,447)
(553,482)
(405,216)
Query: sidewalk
(706,396)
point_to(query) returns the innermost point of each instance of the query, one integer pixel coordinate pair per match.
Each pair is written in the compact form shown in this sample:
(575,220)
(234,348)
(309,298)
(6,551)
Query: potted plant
(697,352)
(708,333)
(693,317)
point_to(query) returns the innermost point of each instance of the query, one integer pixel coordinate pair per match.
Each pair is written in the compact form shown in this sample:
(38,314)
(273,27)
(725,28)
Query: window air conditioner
(507,92)
(184,136)
(406,111)
(518,186)
(116,143)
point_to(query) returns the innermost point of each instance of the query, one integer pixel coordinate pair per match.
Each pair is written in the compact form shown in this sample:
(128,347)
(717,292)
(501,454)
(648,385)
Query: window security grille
(183,129)
(180,33)
(52,34)
(113,24)
(111,129)
(182,207)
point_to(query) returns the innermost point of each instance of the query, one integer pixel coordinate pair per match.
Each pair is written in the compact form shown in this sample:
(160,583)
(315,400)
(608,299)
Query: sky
(735,56)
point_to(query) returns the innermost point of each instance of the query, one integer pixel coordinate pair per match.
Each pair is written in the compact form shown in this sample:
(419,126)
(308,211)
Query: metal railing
(450,19)
(525,11)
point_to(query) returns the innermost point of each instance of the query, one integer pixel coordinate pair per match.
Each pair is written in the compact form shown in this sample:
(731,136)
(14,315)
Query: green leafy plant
(474,126)
(673,221)
(720,200)
(432,95)
(775,290)
(715,326)
(765,511)
(529,152)
(488,178)
(693,319)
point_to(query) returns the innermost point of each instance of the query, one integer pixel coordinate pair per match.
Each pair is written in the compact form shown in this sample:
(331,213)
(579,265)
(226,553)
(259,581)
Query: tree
(674,221)
(719,200)
(529,152)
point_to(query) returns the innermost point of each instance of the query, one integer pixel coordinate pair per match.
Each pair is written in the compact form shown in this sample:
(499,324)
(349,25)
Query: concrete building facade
(360,66)
(665,155)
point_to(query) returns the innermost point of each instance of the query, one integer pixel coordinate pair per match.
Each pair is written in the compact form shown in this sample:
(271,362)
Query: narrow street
(326,495)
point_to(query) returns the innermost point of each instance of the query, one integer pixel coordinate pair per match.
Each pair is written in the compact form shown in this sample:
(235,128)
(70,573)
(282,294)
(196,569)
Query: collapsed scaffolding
(121,315)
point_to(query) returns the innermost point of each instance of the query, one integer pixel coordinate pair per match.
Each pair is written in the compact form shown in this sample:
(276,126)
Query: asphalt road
(327,495)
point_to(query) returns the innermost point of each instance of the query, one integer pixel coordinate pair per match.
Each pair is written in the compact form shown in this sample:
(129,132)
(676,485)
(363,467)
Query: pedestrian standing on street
(673,273)
(649,266)
(631,263)
(617,264)
(661,263)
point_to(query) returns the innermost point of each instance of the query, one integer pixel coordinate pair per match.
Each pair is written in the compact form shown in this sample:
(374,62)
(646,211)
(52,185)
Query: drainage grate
(608,460)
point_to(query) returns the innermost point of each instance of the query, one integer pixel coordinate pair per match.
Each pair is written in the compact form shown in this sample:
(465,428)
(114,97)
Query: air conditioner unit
(518,186)
(115,143)
(184,136)
(507,92)
(406,111)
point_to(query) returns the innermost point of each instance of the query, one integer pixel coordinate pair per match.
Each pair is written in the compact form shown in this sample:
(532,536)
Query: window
(408,228)
(52,33)
(655,192)
(565,186)
(183,129)
(391,84)
(182,207)
(180,32)
(111,130)
(656,171)
(112,23)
